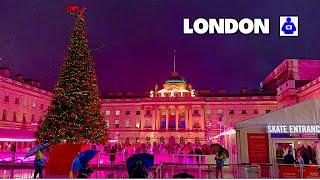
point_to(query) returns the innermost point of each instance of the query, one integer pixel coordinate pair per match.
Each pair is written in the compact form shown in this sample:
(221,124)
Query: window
(163,123)
(117,113)
(172,113)
(137,112)
(24,118)
(16,101)
(182,124)
(127,123)
(208,111)
(33,120)
(231,111)
(196,112)
(243,112)
(41,106)
(163,113)
(127,112)
(138,124)
(107,123)
(107,113)
(148,139)
(268,110)
(14,116)
(6,99)
(117,123)
(219,111)
(148,112)
(255,111)
(148,123)
(33,104)
(4,115)
(25,103)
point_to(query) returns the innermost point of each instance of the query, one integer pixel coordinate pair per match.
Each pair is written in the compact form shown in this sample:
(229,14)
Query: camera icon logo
(289,26)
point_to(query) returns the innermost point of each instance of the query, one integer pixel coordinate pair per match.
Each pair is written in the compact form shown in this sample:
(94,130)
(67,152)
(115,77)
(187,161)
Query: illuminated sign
(173,93)
(226,26)
(294,129)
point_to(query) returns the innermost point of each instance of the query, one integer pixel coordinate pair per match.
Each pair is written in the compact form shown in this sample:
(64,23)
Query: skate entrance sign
(294,129)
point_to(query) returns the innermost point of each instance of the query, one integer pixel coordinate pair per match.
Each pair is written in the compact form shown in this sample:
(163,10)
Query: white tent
(302,113)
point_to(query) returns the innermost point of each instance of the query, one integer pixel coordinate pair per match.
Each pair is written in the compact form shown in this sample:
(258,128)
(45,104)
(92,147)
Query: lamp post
(209,132)
(221,127)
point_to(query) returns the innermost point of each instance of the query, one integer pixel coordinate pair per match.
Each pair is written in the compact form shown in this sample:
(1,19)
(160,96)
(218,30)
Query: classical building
(173,112)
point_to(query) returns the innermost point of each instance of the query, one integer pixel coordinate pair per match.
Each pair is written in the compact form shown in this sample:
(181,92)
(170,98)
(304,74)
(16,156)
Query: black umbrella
(146,159)
(183,176)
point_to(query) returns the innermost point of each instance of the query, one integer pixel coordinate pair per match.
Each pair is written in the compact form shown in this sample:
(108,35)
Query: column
(186,118)
(190,118)
(158,122)
(167,119)
(143,118)
(177,118)
(153,119)
(202,119)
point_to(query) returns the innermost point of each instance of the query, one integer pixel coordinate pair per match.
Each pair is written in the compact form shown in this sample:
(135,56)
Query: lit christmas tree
(74,114)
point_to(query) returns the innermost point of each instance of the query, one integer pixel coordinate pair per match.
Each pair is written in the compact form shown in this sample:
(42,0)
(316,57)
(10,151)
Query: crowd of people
(158,148)
(300,155)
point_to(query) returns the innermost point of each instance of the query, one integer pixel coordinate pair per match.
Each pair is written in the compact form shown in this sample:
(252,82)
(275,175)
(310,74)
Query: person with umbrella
(39,160)
(38,165)
(84,171)
(137,165)
(140,171)
(81,164)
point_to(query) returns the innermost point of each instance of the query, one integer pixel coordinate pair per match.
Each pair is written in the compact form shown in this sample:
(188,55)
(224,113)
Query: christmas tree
(74,114)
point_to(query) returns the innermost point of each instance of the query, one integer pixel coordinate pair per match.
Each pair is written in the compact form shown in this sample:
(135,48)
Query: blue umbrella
(37,148)
(82,159)
(146,159)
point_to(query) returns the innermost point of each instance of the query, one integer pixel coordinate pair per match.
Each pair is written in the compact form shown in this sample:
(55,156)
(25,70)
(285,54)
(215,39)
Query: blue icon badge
(288,27)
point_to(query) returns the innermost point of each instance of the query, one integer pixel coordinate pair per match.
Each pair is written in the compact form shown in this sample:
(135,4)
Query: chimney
(244,91)
(222,91)
(129,94)
(4,71)
(119,94)
(29,81)
(18,77)
(37,83)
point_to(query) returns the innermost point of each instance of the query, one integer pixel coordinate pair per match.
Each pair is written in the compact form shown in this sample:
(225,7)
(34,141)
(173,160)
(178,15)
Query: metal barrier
(199,171)
(12,165)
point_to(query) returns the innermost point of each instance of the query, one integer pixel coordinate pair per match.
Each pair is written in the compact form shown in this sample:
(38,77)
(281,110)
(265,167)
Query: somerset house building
(174,111)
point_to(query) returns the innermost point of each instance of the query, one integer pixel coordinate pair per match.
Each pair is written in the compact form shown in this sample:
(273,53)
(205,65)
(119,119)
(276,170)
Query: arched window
(182,140)
(148,139)
(4,115)
(14,116)
(127,140)
(137,139)
(24,118)
(162,140)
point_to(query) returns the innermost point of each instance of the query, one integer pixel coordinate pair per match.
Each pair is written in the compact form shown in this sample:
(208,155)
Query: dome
(176,78)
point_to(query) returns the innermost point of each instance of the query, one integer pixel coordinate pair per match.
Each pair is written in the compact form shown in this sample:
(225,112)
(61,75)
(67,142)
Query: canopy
(299,114)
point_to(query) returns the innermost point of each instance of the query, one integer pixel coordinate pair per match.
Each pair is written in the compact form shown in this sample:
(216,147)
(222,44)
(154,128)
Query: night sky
(140,37)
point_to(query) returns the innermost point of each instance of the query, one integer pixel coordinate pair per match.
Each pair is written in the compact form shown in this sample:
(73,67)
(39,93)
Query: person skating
(113,152)
(38,165)
(220,158)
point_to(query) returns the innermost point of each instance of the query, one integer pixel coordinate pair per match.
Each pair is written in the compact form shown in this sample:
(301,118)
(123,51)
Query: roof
(307,112)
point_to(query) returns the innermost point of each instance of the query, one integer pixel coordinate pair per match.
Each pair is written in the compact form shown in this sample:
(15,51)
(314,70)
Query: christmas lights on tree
(74,114)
